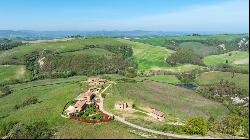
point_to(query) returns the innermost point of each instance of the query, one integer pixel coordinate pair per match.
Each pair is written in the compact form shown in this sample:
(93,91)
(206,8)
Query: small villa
(79,106)
(121,105)
(157,115)
(88,96)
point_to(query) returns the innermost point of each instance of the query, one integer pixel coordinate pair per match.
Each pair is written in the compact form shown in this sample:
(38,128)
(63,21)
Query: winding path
(122,120)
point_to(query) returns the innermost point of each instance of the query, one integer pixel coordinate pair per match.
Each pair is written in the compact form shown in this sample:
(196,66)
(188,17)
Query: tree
(226,61)
(196,125)
(233,124)
(187,78)
(183,56)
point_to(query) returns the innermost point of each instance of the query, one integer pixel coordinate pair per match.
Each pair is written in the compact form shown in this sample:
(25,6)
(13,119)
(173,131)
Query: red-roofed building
(88,96)
(80,105)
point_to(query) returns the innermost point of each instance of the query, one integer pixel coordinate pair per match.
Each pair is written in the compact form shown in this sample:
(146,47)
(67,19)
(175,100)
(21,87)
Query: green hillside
(234,58)
(241,80)
(150,57)
(177,103)
(17,54)
(13,72)
(52,96)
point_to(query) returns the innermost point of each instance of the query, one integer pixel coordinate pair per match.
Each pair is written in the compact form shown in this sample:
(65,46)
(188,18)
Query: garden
(91,113)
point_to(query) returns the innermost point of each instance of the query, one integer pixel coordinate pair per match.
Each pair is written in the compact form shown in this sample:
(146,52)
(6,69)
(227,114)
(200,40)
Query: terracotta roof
(70,109)
(88,93)
(80,103)
(80,97)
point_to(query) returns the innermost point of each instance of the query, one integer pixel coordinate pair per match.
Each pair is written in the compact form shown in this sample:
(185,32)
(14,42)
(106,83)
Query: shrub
(5,90)
(187,78)
(6,44)
(196,125)
(35,130)
(103,95)
(233,124)
(26,102)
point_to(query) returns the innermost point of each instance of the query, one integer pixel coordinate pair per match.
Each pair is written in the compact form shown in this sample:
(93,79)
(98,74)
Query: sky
(230,16)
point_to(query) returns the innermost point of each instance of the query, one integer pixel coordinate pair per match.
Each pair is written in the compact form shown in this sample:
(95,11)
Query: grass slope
(221,59)
(150,57)
(177,103)
(53,95)
(13,72)
(161,40)
(199,48)
(171,79)
(18,53)
(241,80)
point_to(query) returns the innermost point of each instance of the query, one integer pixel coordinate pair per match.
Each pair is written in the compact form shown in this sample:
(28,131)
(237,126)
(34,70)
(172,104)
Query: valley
(38,78)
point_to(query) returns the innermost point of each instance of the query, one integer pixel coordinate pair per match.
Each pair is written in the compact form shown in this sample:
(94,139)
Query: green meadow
(177,103)
(241,80)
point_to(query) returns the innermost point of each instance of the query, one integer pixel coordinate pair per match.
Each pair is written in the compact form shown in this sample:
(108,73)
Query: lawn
(241,80)
(232,58)
(53,94)
(150,57)
(177,103)
(13,72)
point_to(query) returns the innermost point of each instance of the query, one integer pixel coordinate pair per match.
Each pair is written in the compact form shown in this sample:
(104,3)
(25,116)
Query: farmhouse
(121,105)
(157,115)
(88,96)
(70,110)
(79,106)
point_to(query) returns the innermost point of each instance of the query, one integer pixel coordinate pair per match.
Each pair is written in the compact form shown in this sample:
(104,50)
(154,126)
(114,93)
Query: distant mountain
(33,35)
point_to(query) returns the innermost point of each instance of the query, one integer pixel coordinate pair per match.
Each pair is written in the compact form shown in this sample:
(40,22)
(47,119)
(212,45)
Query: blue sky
(164,15)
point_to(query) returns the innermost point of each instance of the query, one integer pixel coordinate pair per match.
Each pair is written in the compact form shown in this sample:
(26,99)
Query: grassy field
(162,40)
(153,57)
(19,53)
(155,41)
(199,48)
(241,80)
(146,56)
(177,103)
(171,79)
(195,43)
(52,96)
(232,60)
(13,72)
